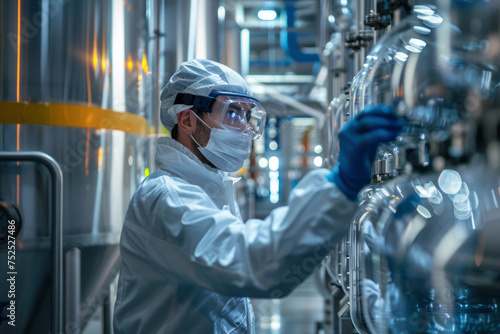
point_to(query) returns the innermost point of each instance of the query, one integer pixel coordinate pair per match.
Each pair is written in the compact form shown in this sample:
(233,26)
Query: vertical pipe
(342,74)
(232,46)
(221,30)
(107,311)
(207,37)
(183,31)
(57,236)
(335,308)
(358,14)
(193,24)
(153,61)
(376,33)
(322,12)
(245,52)
(286,138)
(251,198)
(329,79)
(72,269)
(203,32)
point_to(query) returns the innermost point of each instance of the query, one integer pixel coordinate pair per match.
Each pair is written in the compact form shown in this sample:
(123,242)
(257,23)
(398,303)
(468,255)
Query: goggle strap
(203,103)
(217,93)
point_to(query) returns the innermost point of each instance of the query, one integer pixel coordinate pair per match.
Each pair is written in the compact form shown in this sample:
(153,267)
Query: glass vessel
(355,293)
(336,117)
(433,67)
(428,255)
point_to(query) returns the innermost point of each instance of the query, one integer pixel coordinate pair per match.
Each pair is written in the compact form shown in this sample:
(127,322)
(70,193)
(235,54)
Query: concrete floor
(296,314)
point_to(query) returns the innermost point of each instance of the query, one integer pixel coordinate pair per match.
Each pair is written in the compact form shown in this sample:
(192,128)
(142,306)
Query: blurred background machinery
(79,116)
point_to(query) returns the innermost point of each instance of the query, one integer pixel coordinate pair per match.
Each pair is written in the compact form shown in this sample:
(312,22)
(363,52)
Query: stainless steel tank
(78,81)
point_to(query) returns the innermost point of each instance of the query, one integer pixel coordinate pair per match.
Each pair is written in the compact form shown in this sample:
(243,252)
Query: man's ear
(185,122)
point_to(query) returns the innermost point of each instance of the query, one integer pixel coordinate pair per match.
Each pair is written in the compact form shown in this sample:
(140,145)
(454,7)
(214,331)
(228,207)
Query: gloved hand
(358,141)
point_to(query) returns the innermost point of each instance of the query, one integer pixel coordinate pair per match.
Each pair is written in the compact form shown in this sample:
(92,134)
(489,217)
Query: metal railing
(57,227)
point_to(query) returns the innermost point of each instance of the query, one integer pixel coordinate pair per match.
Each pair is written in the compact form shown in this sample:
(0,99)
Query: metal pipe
(276,28)
(203,31)
(193,26)
(321,24)
(358,18)
(329,79)
(57,227)
(343,13)
(73,286)
(184,45)
(289,40)
(337,66)
(289,100)
(107,312)
(153,49)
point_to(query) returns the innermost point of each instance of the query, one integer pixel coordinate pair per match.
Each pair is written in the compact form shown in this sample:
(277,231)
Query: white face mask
(226,149)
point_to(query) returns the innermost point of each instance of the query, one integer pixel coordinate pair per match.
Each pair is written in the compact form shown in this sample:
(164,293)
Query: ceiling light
(267,14)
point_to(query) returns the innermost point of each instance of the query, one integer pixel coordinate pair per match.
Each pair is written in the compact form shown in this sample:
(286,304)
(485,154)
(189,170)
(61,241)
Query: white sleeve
(189,240)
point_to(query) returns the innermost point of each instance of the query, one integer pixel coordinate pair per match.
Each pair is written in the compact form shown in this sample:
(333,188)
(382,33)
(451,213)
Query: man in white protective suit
(189,262)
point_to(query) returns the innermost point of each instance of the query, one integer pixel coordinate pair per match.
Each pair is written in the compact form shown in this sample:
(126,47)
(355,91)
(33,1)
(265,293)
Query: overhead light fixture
(267,14)
(221,13)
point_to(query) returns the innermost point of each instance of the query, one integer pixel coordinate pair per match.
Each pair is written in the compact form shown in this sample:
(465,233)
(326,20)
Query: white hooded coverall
(189,262)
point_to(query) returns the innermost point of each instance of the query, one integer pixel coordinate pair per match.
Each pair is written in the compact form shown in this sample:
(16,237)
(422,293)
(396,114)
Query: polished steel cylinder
(79,81)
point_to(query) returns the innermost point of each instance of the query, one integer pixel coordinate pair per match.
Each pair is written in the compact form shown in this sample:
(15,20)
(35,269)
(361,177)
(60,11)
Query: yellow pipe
(55,114)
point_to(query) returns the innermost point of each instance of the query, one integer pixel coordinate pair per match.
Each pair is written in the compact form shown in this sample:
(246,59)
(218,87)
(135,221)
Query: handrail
(57,227)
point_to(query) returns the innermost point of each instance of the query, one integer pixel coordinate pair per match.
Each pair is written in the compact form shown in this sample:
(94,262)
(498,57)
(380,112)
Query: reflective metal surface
(345,253)
(97,188)
(356,250)
(332,264)
(101,169)
(427,252)
(431,67)
(359,82)
(336,116)
(91,53)
(439,71)
(88,52)
(12,225)
(430,261)
(299,313)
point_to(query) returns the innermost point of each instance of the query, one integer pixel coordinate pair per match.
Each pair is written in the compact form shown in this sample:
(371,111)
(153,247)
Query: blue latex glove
(358,143)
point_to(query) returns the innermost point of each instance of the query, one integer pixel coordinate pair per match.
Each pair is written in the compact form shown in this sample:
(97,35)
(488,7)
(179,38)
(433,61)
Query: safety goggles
(232,111)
